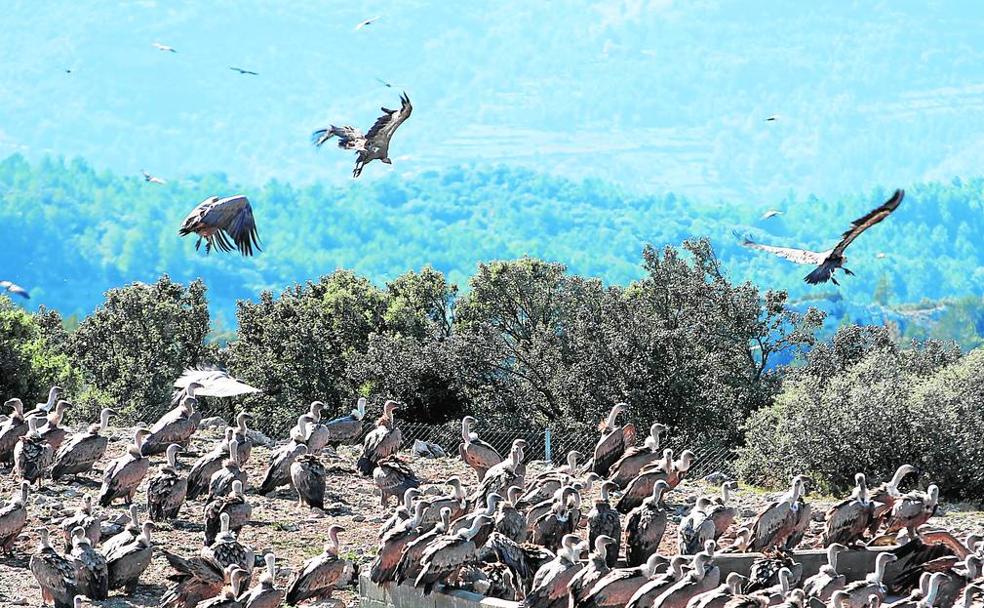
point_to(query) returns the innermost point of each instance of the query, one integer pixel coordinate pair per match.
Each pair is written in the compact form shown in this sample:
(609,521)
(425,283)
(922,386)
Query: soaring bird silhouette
(363,24)
(14,288)
(217,220)
(374,145)
(770,213)
(242,71)
(827,262)
(152,178)
(165,48)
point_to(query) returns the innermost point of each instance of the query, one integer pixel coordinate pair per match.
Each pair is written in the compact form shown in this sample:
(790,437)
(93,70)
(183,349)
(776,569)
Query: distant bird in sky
(880,255)
(771,213)
(152,179)
(68,71)
(383,82)
(374,145)
(772,118)
(14,288)
(217,220)
(242,71)
(363,24)
(829,261)
(164,47)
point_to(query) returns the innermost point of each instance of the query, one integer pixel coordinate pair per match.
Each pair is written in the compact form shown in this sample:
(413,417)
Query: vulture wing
(386,125)
(220,220)
(799,256)
(867,221)
(349,138)
(215,381)
(14,288)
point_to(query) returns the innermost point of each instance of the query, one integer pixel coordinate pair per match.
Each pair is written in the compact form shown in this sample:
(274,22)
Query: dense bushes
(32,358)
(863,403)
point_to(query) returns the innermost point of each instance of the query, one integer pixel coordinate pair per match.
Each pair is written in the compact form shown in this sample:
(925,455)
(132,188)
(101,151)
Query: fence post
(546,445)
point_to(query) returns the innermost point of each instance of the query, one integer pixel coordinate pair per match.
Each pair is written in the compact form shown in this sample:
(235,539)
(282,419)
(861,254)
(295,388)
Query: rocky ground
(296,533)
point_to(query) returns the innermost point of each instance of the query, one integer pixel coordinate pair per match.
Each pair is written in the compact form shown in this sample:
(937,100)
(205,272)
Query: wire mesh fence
(553,445)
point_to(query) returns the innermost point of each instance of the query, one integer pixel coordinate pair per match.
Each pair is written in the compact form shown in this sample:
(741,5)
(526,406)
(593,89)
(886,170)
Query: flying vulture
(164,47)
(772,118)
(219,220)
(827,262)
(152,178)
(213,381)
(14,288)
(374,145)
(242,71)
(771,213)
(363,24)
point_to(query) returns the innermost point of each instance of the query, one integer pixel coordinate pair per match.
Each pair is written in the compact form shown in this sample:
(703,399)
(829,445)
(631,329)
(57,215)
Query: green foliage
(132,348)
(863,403)
(32,358)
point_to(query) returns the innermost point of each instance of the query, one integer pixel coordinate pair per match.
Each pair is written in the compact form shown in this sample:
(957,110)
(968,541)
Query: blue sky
(653,95)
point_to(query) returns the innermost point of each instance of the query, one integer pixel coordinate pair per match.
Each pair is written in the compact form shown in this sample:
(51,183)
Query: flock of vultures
(514,535)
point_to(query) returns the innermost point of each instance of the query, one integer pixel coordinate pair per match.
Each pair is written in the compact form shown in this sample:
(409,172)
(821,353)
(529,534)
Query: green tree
(31,356)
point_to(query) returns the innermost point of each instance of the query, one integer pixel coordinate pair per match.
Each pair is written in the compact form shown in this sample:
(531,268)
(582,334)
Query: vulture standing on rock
(614,441)
(827,262)
(206,466)
(12,429)
(13,518)
(635,458)
(913,510)
(54,574)
(393,477)
(307,475)
(167,490)
(392,544)
(234,505)
(221,481)
(322,574)
(32,454)
(176,426)
(122,477)
(476,453)
(382,441)
(696,528)
(224,223)
(374,145)
(82,450)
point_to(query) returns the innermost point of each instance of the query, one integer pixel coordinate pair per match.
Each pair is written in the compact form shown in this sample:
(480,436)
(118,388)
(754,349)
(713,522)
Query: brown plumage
(176,426)
(615,439)
(552,580)
(382,441)
(885,495)
(719,596)
(616,588)
(822,585)
(54,573)
(277,472)
(235,505)
(52,431)
(721,512)
(408,567)
(130,532)
(221,220)
(32,454)
(476,453)
(122,476)
(346,429)
(393,476)
(635,458)
(82,450)
(127,562)
(913,510)
(196,579)
(90,522)
(265,594)
(91,569)
(12,429)
(598,566)
(645,526)
(374,145)
(509,520)
(391,545)
(696,528)
(227,550)
(604,520)
(445,555)
(206,466)
(549,529)
(307,475)
(499,478)
(235,583)
(641,487)
(167,490)
(646,594)
(777,521)
(703,577)
(322,574)
(858,592)
(13,518)
(847,521)
(221,482)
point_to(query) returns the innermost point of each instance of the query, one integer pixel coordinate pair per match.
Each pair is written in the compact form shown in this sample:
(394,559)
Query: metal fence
(552,445)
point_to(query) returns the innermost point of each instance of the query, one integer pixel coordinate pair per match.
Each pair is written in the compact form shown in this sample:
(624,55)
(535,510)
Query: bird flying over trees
(219,220)
(152,179)
(213,381)
(164,47)
(242,71)
(827,262)
(374,145)
(771,213)
(14,288)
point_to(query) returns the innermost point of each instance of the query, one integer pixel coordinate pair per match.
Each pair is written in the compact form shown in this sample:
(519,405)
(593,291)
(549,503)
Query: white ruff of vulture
(827,262)
(214,382)
(15,289)
(221,220)
(374,145)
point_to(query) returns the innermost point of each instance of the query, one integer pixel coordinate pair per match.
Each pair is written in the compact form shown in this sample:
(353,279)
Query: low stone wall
(852,564)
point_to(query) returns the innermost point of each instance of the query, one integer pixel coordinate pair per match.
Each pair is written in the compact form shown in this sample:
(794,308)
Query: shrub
(31,357)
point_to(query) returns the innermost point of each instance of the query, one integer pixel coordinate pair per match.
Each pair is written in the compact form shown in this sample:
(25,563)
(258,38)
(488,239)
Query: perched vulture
(307,475)
(176,426)
(234,505)
(15,289)
(265,594)
(221,220)
(321,574)
(167,490)
(778,521)
(603,520)
(211,381)
(32,454)
(551,584)
(913,510)
(476,453)
(615,439)
(82,450)
(645,526)
(277,472)
(827,262)
(885,495)
(448,553)
(83,518)
(201,472)
(393,477)
(345,429)
(848,520)
(408,566)
(197,579)
(52,431)
(122,476)
(637,457)
(823,584)
(13,518)
(12,429)
(55,574)
(374,145)
(382,441)
(91,569)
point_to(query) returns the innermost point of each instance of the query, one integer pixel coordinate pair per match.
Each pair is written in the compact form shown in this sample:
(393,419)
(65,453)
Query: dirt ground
(295,533)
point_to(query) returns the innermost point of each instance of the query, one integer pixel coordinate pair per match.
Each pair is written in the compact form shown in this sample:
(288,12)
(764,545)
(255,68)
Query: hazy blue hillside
(657,95)
(71,232)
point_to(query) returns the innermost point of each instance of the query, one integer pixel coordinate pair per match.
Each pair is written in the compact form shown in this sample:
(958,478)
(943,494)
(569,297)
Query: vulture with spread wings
(374,145)
(213,381)
(15,289)
(219,220)
(827,262)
